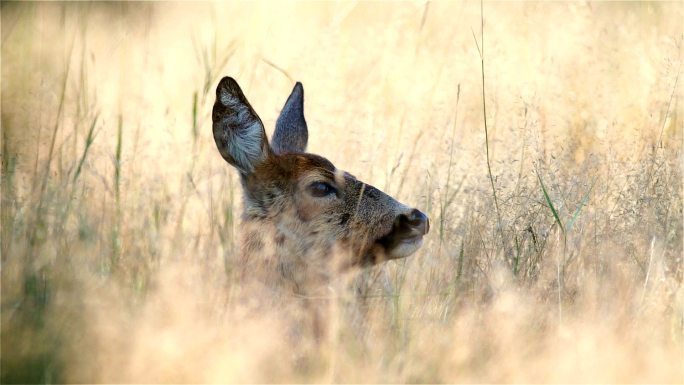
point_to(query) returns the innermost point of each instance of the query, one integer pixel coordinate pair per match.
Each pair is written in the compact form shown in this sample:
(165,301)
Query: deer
(298,208)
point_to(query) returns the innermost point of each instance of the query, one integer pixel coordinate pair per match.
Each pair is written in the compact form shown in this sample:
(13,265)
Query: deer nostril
(418,221)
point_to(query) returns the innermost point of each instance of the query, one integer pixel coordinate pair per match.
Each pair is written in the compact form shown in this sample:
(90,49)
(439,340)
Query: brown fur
(296,235)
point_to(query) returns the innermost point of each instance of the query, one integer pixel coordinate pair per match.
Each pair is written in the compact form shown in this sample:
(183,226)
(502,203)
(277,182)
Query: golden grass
(120,219)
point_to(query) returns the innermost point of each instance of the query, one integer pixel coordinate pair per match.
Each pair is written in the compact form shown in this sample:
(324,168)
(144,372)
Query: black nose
(417,221)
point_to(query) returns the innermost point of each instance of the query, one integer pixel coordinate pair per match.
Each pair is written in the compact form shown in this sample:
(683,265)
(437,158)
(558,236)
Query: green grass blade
(195,132)
(581,205)
(117,162)
(550,204)
(89,141)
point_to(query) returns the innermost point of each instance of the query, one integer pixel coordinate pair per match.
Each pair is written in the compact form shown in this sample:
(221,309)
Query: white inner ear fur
(228,99)
(244,144)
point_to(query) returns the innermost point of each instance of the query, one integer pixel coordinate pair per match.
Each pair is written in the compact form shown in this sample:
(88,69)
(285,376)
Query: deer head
(306,204)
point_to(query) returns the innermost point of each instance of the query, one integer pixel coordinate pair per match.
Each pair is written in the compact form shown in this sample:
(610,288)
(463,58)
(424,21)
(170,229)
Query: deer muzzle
(406,235)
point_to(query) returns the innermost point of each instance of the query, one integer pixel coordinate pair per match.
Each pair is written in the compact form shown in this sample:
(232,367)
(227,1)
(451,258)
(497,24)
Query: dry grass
(119,218)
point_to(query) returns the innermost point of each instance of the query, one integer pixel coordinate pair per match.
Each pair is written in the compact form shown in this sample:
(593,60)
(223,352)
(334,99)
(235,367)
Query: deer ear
(291,133)
(238,131)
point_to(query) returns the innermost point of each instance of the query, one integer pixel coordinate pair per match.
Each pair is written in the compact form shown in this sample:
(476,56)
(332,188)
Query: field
(555,250)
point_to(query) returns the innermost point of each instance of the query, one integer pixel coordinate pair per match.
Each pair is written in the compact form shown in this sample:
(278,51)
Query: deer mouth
(397,246)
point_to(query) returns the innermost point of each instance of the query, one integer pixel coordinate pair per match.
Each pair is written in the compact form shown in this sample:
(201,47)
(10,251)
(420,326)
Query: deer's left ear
(291,134)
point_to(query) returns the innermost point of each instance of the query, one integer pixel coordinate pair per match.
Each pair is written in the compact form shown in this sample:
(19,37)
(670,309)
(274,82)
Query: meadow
(555,250)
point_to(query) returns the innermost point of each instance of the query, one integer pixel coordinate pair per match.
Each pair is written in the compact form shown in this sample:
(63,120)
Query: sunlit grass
(120,221)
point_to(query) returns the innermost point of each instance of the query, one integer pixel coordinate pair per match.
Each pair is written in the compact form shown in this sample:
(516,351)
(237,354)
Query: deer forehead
(299,168)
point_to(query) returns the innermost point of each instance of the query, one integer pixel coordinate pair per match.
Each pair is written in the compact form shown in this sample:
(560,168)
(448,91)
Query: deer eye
(322,189)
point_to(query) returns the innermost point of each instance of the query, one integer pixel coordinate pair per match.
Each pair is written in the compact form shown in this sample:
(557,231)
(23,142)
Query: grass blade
(89,141)
(581,205)
(550,204)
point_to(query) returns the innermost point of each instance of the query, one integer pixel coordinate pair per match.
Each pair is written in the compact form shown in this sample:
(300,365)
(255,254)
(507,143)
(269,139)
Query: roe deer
(298,207)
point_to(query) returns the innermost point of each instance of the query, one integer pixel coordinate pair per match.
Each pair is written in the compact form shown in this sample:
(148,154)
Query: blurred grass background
(119,218)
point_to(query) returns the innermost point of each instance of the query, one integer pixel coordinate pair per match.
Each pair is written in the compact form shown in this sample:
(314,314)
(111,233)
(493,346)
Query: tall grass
(558,255)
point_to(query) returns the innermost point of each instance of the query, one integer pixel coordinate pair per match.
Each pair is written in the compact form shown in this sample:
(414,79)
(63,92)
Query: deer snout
(410,226)
(406,235)
(415,221)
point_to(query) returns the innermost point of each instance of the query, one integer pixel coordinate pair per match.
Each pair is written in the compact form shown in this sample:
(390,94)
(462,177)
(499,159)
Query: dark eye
(322,189)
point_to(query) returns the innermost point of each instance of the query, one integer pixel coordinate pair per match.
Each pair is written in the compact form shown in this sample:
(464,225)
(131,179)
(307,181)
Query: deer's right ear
(238,131)
(290,133)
